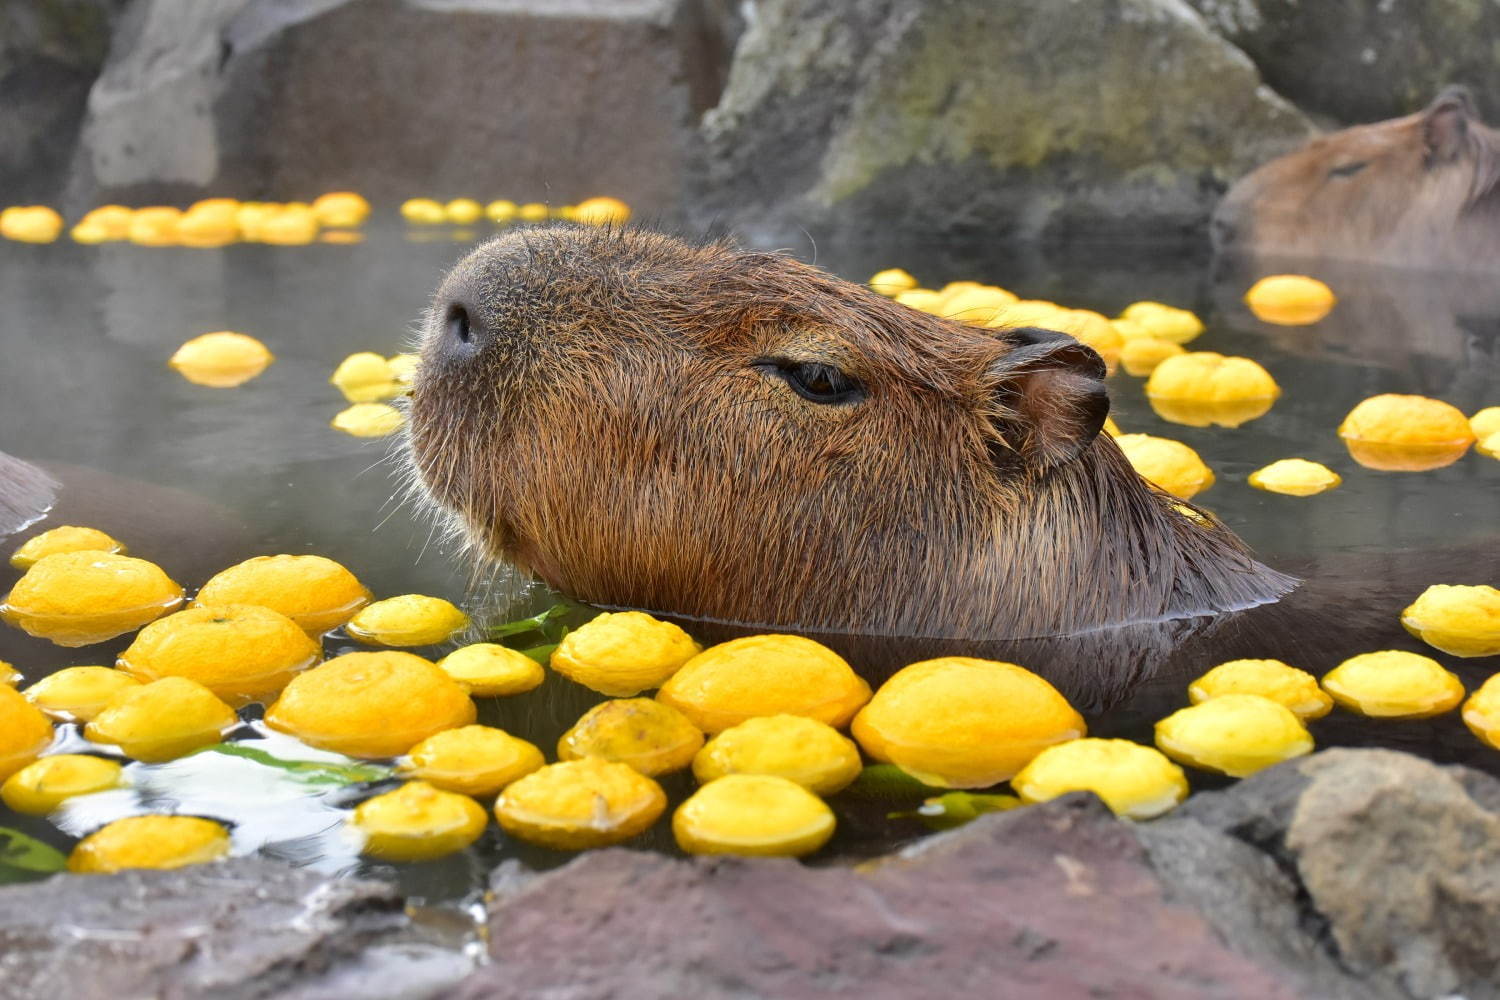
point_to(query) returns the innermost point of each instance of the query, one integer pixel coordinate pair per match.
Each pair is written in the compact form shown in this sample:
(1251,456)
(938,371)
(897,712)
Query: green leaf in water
(23,858)
(951,809)
(536,623)
(543,654)
(888,783)
(311,772)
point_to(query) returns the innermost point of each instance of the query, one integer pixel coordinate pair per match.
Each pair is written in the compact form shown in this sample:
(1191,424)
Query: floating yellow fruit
(408,620)
(1482,712)
(474,760)
(981,305)
(1236,734)
(1295,477)
(922,299)
(294,225)
(1111,428)
(532,211)
(41,786)
(370,704)
(368,420)
(1093,330)
(1163,321)
(154,226)
(30,224)
(365,377)
(423,211)
(489,670)
(463,211)
(316,593)
(1296,689)
(162,720)
(1489,445)
(213,222)
(77,694)
(501,211)
(1026,312)
(78,598)
(651,737)
(240,652)
(602,211)
(578,804)
(1486,422)
(811,753)
(1398,433)
(24,732)
(418,822)
(9,675)
(65,538)
(221,360)
(1459,620)
(111,222)
(403,368)
(1394,684)
(753,814)
(89,233)
(891,282)
(1203,387)
(1133,780)
(341,209)
(765,675)
(1170,465)
(150,842)
(1290,299)
(958,722)
(251,215)
(1141,355)
(623,653)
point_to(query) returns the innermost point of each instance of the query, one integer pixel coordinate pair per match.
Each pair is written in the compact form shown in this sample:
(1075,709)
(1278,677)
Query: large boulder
(1364,60)
(1027,119)
(396,98)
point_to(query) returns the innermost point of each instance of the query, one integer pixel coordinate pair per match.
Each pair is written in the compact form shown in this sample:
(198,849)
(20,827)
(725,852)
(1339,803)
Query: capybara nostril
(458,326)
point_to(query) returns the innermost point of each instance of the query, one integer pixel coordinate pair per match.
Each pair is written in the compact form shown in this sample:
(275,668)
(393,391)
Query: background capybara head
(1423,189)
(740,436)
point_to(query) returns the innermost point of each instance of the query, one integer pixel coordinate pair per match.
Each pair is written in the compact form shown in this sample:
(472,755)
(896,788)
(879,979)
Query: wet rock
(1009,120)
(1057,900)
(1363,60)
(481,98)
(237,930)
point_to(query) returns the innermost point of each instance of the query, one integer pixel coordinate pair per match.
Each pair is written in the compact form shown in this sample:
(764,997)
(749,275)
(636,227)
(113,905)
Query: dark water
(197,479)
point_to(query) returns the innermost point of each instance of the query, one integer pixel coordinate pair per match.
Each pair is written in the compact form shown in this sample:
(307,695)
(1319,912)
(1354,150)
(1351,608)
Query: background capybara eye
(1348,169)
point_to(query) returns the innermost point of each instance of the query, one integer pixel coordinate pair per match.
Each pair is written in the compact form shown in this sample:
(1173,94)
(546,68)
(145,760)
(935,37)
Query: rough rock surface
(481,98)
(238,930)
(1033,118)
(1365,60)
(1053,901)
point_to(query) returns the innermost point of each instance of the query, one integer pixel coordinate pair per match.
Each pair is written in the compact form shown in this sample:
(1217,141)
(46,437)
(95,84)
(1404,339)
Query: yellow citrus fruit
(342,209)
(162,720)
(316,593)
(1200,388)
(1133,780)
(1460,620)
(78,598)
(1111,428)
(1482,712)
(651,737)
(602,211)
(578,804)
(463,211)
(474,760)
(368,420)
(221,360)
(65,538)
(294,225)
(489,670)
(1141,355)
(532,211)
(1163,321)
(892,281)
(1236,734)
(1485,422)
(240,652)
(408,620)
(959,722)
(418,822)
(41,786)
(423,211)
(753,814)
(9,675)
(1295,477)
(24,731)
(1489,445)
(365,377)
(370,704)
(154,226)
(1394,684)
(30,224)
(500,211)
(921,299)
(811,753)
(209,223)
(977,306)
(404,368)
(1169,465)
(1398,433)
(623,653)
(89,233)
(1295,689)
(150,842)
(112,221)
(1290,299)
(1023,312)
(765,675)
(77,694)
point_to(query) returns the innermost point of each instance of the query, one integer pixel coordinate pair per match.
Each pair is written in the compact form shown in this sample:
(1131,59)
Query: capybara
(739,436)
(1421,191)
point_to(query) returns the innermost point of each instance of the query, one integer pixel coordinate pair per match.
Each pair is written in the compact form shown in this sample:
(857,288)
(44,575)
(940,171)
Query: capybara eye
(814,381)
(458,323)
(1348,169)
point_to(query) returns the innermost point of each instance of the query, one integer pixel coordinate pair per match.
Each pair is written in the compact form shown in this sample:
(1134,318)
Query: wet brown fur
(610,433)
(1422,191)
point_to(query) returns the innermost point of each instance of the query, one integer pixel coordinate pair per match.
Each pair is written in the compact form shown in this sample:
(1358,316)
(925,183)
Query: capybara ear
(1445,124)
(1050,398)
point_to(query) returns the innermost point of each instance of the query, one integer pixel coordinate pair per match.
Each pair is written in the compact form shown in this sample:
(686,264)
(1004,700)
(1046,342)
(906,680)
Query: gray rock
(1365,60)
(1027,119)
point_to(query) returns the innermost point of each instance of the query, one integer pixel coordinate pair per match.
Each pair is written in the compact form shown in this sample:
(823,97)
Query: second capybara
(739,436)
(1422,191)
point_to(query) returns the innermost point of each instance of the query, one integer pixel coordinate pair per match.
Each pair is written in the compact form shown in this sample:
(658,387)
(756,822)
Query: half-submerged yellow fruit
(651,737)
(474,760)
(77,694)
(64,538)
(1203,387)
(1236,734)
(811,753)
(1296,689)
(753,814)
(1295,477)
(78,598)
(1156,319)
(41,786)
(1399,433)
(240,652)
(1482,712)
(892,281)
(578,804)
(368,420)
(162,720)
(316,593)
(221,360)
(623,653)
(1394,684)
(1290,299)
(1169,465)
(602,211)
(24,731)
(150,842)
(418,822)
(408,620)
(1459,620)
(1133,780)
(490,670)
(365,377)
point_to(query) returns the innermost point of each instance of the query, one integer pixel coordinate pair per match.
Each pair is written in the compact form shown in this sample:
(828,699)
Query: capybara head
(1423,190)
(739,436)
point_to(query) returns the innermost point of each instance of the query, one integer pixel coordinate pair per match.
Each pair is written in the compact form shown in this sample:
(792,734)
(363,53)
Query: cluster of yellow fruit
(367,380)
(466,211)
(213,222)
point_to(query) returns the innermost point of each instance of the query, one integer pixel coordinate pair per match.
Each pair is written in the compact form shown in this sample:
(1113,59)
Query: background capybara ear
(1445,123)
(1050,398)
